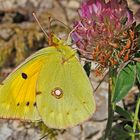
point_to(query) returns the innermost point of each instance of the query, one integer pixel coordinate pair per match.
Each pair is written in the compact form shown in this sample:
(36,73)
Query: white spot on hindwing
(57,93)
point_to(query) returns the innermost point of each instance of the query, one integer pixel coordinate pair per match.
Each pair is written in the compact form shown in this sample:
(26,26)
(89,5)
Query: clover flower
(105,32)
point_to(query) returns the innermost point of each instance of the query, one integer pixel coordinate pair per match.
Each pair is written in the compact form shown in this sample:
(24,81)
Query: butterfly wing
(66,96)
(18,91)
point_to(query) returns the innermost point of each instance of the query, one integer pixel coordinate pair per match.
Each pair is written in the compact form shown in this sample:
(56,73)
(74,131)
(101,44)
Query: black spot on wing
(34,104)
(24,75)
(38,92)
(18,104)
(28,103)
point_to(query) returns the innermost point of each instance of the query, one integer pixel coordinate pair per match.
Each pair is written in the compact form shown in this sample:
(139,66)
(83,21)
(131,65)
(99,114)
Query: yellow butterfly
(51,86)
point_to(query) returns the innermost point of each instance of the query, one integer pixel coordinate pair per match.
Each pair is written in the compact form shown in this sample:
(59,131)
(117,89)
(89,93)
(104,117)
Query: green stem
(139,129)
(136,119)
(111,109)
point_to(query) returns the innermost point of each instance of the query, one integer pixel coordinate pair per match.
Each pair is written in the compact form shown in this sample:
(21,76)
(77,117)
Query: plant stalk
(136,119)
(111,110)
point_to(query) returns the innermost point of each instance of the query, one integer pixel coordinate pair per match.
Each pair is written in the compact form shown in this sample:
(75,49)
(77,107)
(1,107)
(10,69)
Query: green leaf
(123,113)
(124,82)
(128,128)
(87,68)
(121,134)
(137,28)
(137,1)
(138,71)
(138,40)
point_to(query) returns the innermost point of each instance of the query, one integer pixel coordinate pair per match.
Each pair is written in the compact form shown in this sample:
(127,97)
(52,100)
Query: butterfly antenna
(51,21)
(72,31)
(40,25)
(61,23)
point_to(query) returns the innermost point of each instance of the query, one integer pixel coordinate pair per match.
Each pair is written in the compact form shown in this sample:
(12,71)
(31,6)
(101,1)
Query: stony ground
(90,130)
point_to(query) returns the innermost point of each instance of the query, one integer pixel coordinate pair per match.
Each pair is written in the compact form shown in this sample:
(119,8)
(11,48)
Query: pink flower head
(104,32)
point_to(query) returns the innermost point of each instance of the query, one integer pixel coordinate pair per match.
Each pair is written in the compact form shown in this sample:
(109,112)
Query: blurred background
(20,36)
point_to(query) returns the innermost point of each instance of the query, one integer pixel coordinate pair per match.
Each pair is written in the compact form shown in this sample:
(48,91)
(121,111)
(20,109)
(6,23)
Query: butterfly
(51,86)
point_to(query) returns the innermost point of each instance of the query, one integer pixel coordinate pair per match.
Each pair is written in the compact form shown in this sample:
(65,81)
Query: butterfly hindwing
(66,95)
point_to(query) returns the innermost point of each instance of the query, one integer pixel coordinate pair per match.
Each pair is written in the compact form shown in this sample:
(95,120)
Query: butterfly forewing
(18,91)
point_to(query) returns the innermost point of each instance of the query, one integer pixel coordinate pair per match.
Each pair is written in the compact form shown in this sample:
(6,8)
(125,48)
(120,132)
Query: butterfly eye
(57,92)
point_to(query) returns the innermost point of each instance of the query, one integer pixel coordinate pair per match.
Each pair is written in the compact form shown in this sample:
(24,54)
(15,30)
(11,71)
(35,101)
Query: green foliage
(138,71)
(124,113)
(137,28)
(137,1)
(128,128)
(124,82)
(121,134)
